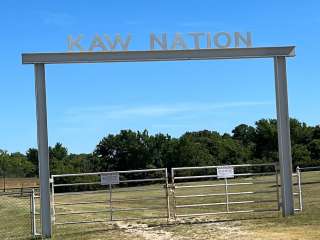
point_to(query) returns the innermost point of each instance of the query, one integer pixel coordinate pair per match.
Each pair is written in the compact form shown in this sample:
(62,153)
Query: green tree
(19,166)
(316,132)
(209,139)
(244,133)
(314,148)
(127,150)
(300,132)
(57,155)
(232,152)
(192,153)
(58,152)
(32,156)
(266,140)
(162,150)
(301,155)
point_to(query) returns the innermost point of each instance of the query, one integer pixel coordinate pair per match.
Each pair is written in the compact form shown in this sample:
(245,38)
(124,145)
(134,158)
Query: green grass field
(303,225)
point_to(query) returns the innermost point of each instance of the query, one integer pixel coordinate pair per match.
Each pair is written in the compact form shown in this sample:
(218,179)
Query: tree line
(139,150)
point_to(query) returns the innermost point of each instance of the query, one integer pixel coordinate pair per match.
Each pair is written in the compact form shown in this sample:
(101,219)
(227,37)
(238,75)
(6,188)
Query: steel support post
(43,151)
(284,142)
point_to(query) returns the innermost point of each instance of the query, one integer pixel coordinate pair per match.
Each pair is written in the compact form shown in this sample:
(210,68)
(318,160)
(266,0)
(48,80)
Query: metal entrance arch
(279,55)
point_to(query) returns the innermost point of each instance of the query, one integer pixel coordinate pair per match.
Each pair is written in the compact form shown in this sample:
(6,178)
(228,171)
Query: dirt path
(202,231)
(146,232)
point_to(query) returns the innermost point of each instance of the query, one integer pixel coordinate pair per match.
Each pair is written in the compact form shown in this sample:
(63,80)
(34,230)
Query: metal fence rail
(227,195)
(113,202)
(314,168)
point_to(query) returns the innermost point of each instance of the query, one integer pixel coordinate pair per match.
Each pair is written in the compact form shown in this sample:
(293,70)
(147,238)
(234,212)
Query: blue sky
(87,102)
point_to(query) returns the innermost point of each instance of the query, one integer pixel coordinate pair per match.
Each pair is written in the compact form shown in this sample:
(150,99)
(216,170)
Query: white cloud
(126,112)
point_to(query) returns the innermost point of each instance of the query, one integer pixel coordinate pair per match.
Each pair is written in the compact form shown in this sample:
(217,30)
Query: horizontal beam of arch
(158,55)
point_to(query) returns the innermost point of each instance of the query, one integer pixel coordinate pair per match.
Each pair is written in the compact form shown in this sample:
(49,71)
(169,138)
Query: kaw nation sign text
(163,41)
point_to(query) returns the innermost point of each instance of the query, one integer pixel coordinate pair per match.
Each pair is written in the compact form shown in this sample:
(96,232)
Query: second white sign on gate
(110,178)
(225,172)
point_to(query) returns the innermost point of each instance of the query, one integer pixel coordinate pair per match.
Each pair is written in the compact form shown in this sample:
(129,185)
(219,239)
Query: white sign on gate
(110,178)
(225,172)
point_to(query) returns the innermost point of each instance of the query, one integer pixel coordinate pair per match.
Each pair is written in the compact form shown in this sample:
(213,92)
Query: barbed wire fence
(16,182)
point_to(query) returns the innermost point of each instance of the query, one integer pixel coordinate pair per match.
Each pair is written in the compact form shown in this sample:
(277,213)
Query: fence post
(52,201)
(4,182)
(167,195)
(33,214)
(299,187)
(277,183)
(110,201)
(173,194)
(21,190)
(226,192)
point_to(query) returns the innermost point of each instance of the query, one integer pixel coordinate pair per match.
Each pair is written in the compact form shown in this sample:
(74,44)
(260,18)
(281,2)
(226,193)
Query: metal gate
(309,177)
(139,194)
(146,194)
(199,191)
(17,211)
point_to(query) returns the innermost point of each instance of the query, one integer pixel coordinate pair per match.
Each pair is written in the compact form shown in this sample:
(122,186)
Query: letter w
(118,40)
